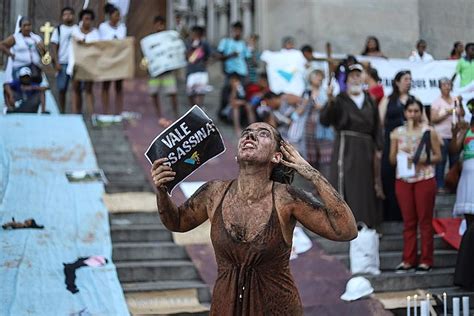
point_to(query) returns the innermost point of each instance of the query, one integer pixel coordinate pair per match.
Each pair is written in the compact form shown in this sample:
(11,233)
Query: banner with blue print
(188,143)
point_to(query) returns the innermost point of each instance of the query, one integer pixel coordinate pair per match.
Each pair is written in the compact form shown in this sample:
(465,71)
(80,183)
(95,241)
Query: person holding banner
(60,42)
(252,222)
(165,83)
(85,33)
(372,48)
(357,148)
(109,30)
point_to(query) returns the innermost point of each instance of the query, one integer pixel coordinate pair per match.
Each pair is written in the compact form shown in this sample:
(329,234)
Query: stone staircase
(156,274)
(438,281)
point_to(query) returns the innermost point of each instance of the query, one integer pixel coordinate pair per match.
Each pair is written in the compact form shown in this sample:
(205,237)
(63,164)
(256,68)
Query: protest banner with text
(188,144)
(163,51)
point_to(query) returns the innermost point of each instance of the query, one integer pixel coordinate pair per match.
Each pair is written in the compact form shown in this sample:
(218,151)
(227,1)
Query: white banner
(425,76)
(164,51)
(285,71)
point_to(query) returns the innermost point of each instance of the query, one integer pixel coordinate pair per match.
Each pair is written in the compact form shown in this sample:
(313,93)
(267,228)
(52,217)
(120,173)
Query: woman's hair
(395,90)
(453,51)
(373,73)
(281,173)
(86,12)
(110,9)
(443,80)
(315,73)
(23,19)
(411,101)
(366,48)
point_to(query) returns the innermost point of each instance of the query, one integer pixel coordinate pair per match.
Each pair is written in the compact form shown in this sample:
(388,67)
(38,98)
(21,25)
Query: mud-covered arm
(329,216)
(191,213)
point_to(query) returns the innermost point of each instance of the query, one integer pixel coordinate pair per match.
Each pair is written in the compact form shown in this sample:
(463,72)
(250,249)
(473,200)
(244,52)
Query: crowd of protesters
(343,124)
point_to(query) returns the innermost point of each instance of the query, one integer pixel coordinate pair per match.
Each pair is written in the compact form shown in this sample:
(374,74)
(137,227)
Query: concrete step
(148,251)
(135,218)
(204,294)
(445,201)
(162,270)
(387,243)
(123,186)
(389,260)
(391,281)
(123,177)
(140,233)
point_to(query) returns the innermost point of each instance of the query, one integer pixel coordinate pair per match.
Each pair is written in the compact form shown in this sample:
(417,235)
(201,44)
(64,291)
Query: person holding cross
(252,221)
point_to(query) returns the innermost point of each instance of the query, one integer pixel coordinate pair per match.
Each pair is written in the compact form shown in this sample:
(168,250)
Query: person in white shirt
(25,49)
(85,33)
(420,55)
(60,42)
(112,29)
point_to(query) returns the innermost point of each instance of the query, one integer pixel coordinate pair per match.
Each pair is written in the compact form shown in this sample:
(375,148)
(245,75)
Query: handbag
(451,179)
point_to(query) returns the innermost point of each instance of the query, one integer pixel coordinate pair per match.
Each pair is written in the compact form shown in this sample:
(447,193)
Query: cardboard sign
(104,60)
(164,51)
(188,144)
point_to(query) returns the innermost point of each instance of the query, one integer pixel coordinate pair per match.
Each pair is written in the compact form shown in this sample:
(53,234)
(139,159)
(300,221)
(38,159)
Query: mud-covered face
(258,143)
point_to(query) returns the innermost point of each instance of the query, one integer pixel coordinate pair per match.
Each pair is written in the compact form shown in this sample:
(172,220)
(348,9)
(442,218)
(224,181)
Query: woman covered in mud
(252,221)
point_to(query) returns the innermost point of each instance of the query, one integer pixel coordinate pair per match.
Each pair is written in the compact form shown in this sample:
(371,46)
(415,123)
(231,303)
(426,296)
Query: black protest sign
(188,144)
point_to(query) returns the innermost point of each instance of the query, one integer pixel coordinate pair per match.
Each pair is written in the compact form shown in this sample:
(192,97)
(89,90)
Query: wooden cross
(47,29)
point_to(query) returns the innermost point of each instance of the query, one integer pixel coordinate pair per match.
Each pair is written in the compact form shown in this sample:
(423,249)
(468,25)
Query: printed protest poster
(285,71)
(163,51)
(188,144)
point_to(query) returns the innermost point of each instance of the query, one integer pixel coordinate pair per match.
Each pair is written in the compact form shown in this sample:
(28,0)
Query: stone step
(387,243)
(389,260)
(135,218)
(128,169)
(123,177)
(148,251)
(204,294)
(107,159)
(391,281)
(140,233)
(162,270)
(120,188)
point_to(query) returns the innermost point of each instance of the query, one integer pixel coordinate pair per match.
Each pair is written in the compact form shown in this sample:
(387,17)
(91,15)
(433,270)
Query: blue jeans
(440,167)
(62,79)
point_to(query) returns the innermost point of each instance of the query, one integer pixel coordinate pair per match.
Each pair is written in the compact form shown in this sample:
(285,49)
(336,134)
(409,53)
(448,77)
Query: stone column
(211,22)
(261,8)
(199,9)
(247,17)
(18,7)
(234,11)
(223,28)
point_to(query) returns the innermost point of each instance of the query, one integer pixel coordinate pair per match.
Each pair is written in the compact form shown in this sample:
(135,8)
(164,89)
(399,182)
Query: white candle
(423,308)
(415,308)
(445,305)
(408,306)
(454,116)
(428,300)
(456,307)
(465,305)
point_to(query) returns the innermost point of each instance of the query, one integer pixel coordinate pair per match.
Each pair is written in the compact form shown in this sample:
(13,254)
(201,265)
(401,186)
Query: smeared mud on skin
(305,197)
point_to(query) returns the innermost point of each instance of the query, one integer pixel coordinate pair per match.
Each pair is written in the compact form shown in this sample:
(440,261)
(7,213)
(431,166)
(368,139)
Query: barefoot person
(252,221)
